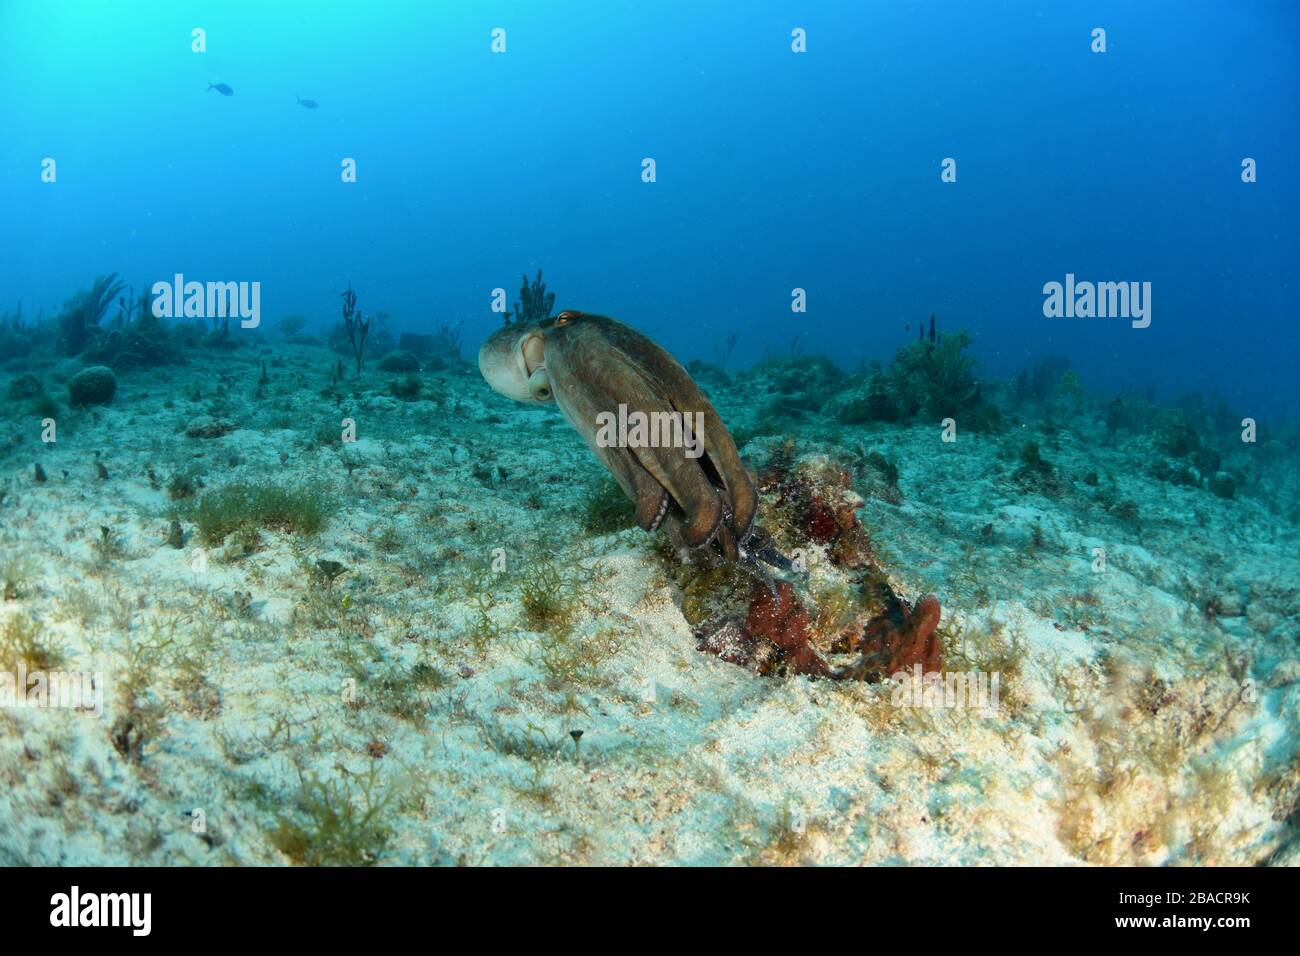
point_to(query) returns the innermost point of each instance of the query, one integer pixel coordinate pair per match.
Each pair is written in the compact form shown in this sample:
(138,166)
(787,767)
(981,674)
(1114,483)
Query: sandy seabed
(402,705)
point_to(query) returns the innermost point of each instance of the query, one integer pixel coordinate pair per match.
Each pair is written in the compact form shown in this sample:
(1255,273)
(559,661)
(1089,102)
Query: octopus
(602,373)
(686,477)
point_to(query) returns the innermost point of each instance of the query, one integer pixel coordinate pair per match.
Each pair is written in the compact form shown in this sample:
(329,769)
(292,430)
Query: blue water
(775,170)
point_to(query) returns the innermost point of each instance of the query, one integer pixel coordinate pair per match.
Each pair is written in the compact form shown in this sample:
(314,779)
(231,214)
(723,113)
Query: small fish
(222,88)
(310,104)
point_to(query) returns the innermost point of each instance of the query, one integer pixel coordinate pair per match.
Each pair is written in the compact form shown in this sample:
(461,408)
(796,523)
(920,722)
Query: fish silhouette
(310,104)
(222,88)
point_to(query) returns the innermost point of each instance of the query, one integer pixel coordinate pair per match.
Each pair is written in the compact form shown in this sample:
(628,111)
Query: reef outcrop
(810,503)
(95,385)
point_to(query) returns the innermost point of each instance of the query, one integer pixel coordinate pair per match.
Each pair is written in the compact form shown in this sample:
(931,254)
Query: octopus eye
(567,316)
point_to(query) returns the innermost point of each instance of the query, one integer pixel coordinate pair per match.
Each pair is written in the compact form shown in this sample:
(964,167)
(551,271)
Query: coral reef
(1040,381)
(139,342)
(777,617)
(24,387)
(534,302)
(408,388)
(809,505)
(208,426)
(900,640)
(934,376)
(95,385)
(17,336)
(1036,474)
(400,361)
(84,311)
(356,325)
(930,378)
(814,502)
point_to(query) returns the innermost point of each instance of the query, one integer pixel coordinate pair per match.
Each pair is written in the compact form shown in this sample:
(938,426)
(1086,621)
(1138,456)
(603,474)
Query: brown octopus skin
(596,363)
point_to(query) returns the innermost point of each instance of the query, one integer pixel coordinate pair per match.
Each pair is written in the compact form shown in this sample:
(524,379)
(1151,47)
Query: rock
(1286,855)
(727,640)
(1223,485)
(205,426)
(712,591)
(25,386)
(382,403)
(780,618)
(899,641)
(95,385)
(1231,605)
(400,362)
(135,348)
(330,569)
(1285,674)
(817,497)
(865,401)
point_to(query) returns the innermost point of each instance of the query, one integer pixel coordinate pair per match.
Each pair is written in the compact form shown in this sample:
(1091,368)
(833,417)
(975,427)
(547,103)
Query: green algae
(242,507)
